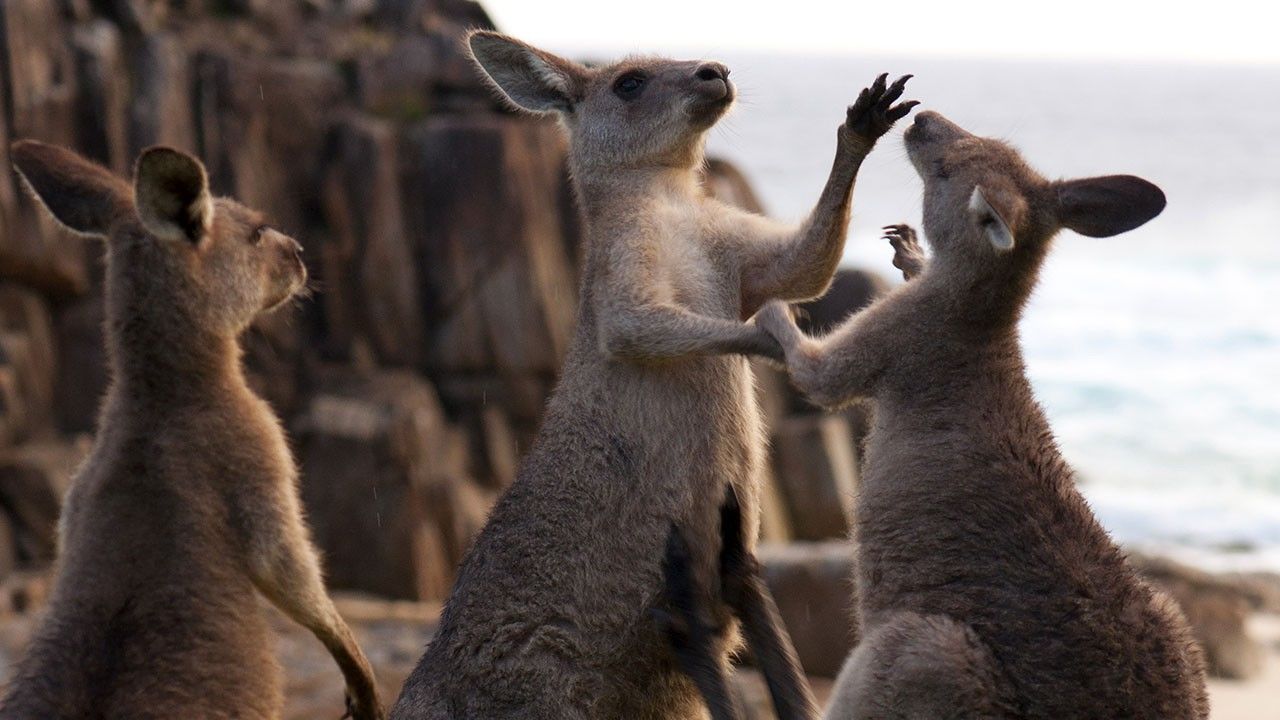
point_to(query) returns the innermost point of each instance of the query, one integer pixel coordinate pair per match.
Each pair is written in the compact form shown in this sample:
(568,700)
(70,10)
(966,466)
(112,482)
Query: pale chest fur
(685,265)
(696,416)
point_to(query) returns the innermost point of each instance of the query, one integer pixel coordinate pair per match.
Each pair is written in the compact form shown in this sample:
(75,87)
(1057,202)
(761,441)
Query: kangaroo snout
(931,126)
(711,94)
(710,71)
(713,84)
(293,247)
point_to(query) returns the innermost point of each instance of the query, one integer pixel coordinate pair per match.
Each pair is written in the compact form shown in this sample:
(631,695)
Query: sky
(1224,31)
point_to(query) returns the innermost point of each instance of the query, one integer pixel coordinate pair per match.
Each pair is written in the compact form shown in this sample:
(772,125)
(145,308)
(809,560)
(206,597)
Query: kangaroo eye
(256,236)
(629,85)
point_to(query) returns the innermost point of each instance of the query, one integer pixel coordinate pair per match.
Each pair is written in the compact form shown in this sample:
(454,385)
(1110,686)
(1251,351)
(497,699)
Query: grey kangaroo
(986,587)
(654,416)
(187,505)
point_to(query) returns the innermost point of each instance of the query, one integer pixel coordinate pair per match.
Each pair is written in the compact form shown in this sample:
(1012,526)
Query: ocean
(1155,353)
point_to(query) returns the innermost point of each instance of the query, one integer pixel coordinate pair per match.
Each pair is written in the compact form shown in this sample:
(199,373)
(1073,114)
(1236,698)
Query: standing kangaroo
(985,586)
(188,501)
(654,416)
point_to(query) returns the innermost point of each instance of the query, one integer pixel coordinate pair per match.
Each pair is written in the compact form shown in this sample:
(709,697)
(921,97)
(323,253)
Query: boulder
(8,548)
(410,77)
(82,373)
(160,106)
(385,485)
(34,478)
(38,69)
(22,594)
(102,95)
(723,181)
(12,412)
(1217,609)
(481,208)
(27,348)
(812,584)
(851,290)
(775,516)
(418,14)
(371,283)
(495,447)
(1261,587)
(37,81)
(263,127)
(816,466)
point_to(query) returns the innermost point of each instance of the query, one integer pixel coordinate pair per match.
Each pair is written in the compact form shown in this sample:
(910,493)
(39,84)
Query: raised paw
(874,112)
(908,255)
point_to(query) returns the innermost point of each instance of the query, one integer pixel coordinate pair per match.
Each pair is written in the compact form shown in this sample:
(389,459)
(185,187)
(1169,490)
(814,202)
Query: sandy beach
(1258,697)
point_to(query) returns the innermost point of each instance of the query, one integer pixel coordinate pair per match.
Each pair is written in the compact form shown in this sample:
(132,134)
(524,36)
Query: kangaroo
(986,587)
(689,622)
(188,500)
(654,415)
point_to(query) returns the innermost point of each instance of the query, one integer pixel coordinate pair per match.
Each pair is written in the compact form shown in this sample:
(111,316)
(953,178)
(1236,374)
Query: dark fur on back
(986,587)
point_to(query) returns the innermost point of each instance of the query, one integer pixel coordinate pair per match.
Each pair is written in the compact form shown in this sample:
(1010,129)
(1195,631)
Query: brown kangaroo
(188,500)
(985,586)
(654,415)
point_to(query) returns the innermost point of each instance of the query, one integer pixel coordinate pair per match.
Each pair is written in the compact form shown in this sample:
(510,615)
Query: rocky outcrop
(435,226)
(813,585)
(1218,609)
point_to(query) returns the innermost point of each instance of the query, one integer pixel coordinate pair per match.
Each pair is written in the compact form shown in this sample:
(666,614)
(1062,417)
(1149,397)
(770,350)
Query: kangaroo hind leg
(918,667)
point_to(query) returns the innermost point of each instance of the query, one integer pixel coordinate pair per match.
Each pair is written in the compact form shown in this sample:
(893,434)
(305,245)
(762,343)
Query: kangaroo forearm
(775,655)
(831,371)
(819,244)
(824,230)
(286,570)
(659,332)
(356,670)
(800,266)
(835,372)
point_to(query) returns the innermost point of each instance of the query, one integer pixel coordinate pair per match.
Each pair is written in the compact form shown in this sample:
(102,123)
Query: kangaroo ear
(529,78)
(171,191)
(1109,205)
(995,214)
(81,195)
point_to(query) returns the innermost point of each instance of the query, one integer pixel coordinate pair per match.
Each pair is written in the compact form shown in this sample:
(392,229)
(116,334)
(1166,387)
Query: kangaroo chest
(686,270)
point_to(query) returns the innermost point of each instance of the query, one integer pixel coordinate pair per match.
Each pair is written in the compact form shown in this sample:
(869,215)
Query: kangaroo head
(985,207)
(174,249)
(637,112)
